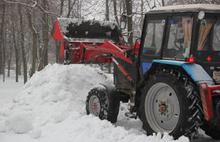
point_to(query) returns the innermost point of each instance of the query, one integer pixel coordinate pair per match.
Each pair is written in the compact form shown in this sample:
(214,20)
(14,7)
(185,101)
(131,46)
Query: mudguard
(108,86)
(110,89)
(195,71)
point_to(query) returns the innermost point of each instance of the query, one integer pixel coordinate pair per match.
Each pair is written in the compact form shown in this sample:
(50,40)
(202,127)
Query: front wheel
(167,106)
(103,103)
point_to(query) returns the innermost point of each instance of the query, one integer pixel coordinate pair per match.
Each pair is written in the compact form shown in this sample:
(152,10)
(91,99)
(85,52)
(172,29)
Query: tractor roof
(187,8)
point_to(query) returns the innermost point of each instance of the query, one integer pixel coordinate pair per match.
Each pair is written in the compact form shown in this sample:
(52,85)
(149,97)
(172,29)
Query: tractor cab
(188,33)
(179,68)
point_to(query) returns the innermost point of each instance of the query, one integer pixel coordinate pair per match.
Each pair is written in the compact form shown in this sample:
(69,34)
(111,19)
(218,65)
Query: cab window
(216,36)
(179,38)
(209,35)
(204,42)
(153,38)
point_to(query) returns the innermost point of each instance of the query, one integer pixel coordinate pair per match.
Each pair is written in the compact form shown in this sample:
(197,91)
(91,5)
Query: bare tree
(45,30)
(2,70)
(71,4)
(115,11)
(15,47)
(130,22)
(34,41)
(61,7)
(2,38)
(22,43)
(107,10)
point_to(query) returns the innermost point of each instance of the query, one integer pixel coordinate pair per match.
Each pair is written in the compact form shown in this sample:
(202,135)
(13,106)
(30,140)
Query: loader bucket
(88,30)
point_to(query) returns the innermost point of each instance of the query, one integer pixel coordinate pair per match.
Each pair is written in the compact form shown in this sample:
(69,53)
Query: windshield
(209,35)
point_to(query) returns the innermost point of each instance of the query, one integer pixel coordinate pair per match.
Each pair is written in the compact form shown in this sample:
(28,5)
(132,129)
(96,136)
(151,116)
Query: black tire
(67,56)
(109,104)
(212,129)
(189,116)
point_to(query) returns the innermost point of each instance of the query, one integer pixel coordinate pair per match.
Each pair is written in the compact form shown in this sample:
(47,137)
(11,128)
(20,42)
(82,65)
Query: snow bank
(19,123)
(52,108)
(50,95)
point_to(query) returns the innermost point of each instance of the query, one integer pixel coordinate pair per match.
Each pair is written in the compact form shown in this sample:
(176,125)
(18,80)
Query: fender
(195,71)
(108,86)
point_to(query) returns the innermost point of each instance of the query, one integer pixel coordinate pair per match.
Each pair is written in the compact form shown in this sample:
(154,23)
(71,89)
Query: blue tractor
(170,77)
(172,84)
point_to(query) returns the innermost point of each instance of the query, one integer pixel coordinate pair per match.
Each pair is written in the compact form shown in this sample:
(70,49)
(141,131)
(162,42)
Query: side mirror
(123,21)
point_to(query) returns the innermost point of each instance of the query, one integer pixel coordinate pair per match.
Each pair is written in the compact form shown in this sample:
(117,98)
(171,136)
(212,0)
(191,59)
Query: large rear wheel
(168,104)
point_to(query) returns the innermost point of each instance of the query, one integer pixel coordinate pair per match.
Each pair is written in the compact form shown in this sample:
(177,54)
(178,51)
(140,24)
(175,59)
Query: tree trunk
(115,11)
(9,60)
(130,24)
(163,3)
(46,37)
(2,38)
(16,52)
(107,19)
(4,52)
(45,31)
(22,44)
(79,8)
(70,7)
(142,14)
(107,10)
(61,7)
(34,43)
(19,62)
(57,51)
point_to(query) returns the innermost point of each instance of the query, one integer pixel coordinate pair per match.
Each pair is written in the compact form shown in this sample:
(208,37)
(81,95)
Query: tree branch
(45,11)
(21,3)
(35,4)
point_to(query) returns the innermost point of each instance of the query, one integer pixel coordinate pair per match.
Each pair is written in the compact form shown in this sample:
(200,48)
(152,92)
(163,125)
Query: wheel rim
(162,108)
(94,105)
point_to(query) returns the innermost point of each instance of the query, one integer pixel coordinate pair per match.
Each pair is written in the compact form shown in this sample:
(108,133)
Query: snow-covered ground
(51,108)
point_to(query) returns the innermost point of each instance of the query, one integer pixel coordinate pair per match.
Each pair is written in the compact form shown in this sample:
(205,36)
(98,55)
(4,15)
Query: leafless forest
(26,45)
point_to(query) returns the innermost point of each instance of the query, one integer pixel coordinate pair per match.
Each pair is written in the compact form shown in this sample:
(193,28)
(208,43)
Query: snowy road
(8,90)
(52,109)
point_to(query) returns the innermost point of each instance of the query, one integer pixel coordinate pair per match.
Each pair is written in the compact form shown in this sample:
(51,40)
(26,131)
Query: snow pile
(19,123)
(52,108)
(50,95)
